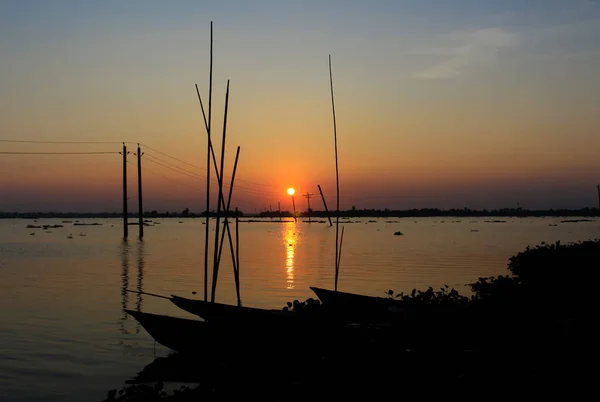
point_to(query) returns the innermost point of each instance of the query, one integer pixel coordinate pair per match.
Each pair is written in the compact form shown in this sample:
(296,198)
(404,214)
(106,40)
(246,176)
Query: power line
(170,180)
(187,172)
(171,164)
(172,157)
(241,189)
(175,170)
(198,167)
(61,142)
(55,153)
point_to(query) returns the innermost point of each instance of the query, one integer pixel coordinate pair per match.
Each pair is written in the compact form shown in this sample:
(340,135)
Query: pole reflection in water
(124,285)
(290,238)
(126,250)
(140,279)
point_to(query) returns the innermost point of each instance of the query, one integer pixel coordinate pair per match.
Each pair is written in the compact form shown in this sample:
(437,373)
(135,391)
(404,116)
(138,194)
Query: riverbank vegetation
(528,332)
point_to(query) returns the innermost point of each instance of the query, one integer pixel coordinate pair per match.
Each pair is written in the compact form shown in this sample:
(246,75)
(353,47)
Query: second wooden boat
(230,314)
(219,312)
(354,301)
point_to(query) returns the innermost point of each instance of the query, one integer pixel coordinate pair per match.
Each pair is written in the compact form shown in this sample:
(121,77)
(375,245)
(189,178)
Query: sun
(291,191)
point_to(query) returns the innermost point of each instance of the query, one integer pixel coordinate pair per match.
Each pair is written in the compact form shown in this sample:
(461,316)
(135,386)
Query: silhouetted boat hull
(179,334)
(230,314)
(219,312)
(194,337)
(354,301)
(235,338)
(338,308)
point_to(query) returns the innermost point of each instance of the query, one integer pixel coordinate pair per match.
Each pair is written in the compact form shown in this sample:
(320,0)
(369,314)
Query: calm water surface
(64,336)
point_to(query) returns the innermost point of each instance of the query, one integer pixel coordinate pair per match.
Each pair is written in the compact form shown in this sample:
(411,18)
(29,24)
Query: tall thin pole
(325,204)
(337,181)
(221,199)
(125,223)
(308,196)
(340,251)
(294,207)
(237,256)
(208,155)
(226,224)
(140,207)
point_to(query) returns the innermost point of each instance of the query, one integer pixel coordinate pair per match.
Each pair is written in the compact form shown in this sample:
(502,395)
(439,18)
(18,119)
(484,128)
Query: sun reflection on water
(290,239)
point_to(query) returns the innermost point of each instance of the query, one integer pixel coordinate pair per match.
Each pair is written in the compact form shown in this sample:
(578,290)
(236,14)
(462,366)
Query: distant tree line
(435,212)
(350,213)
(147,214)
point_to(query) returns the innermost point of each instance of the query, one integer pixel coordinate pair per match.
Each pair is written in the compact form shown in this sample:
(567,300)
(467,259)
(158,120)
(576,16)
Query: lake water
(64,336)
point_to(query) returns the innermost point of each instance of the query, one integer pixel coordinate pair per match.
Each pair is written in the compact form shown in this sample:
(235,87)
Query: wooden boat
(193,337)
(179,334)
(235,338)
(355,302)
(226,313)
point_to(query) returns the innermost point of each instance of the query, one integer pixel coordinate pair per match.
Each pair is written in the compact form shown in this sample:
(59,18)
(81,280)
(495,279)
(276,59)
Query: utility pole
(294,207)
(140,208)
(308,196)
(325,204)
(125,223)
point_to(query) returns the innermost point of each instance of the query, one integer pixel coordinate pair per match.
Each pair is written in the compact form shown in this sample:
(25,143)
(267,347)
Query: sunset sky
(439,103)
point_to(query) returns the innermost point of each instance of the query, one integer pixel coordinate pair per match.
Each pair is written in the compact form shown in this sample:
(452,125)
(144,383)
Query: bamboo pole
(208,153)
(237,256)
(147,294)
(221,199)
(218,217)
(211,148)
(337,181)
(226,222)
(219,175)
(325,204)
(339,257)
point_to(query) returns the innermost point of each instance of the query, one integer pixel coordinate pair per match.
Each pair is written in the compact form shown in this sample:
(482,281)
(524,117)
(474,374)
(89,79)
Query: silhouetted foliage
(308,306)
(442,297)
(557,264)
(531,326)
(436,212)
(501,288)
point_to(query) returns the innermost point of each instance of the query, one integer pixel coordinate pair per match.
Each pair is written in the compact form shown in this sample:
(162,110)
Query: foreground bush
(532,327)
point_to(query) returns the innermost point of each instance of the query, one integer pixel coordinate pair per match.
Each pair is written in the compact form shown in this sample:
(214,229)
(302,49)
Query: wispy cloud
(465,48)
